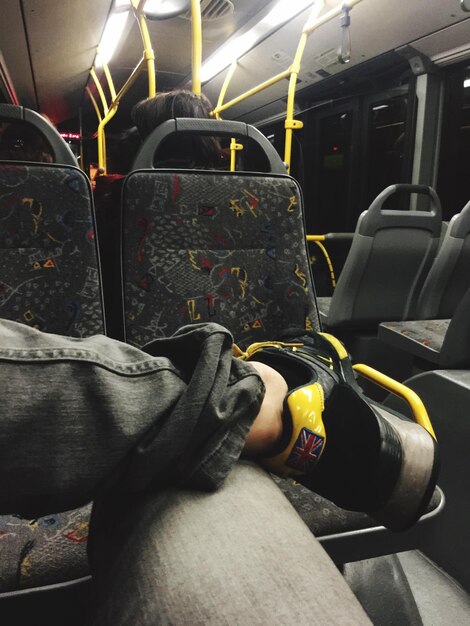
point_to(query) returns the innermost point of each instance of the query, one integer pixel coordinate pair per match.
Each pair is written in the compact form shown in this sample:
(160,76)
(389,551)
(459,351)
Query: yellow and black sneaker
(341,444)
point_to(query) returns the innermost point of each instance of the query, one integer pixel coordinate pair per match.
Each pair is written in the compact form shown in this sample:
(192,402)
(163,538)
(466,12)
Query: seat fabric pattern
(43,551)
(49,274)
(429,333)
(211,246)
(49,279)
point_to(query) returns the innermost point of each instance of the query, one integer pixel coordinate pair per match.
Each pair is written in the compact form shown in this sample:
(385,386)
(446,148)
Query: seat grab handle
(414,401)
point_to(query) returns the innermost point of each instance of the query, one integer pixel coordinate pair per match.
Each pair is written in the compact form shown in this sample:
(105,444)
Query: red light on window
(71,135)
(335,148)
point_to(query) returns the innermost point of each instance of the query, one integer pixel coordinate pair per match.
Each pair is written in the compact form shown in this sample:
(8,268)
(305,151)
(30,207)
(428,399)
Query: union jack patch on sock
(306,451)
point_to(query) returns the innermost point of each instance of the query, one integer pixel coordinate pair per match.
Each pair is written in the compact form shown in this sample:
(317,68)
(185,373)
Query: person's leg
(238,556)
(81,418)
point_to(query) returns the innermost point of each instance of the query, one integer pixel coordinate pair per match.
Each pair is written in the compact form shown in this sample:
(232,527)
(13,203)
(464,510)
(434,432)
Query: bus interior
(367,105)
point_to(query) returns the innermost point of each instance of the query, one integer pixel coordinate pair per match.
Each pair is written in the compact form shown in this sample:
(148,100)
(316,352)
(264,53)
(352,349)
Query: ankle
(267,429)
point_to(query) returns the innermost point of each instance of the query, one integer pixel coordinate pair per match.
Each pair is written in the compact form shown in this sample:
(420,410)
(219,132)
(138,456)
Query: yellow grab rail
(112,112)
(223,91)
(291,124)
(147,61)
(317,239)
(95,104)
(99,88)
(417,407)
(148,55)
(196,29)
(251,92)
(234,147)
(111,88)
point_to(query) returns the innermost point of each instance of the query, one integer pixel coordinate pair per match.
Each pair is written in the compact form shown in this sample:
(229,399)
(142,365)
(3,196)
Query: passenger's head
(151,112)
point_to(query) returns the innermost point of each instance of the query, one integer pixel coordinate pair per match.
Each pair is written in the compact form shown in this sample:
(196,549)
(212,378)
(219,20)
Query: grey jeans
(96,419)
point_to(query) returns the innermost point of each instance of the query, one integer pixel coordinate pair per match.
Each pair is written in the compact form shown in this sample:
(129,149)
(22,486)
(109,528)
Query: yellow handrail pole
(111,88)
(149,54)
(112,92)
(98,115)
(223,91)
(416,404)
(112,111)
(251,92)
(101,135)
(290,124)
(196,29)
(234,146)
(100,90)
(317,239)
(95,104)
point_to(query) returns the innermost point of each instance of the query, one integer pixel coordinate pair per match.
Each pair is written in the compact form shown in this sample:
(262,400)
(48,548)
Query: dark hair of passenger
(190,151)
(21,142)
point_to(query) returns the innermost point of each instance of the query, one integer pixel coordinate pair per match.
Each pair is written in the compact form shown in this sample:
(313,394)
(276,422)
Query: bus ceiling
(48,47)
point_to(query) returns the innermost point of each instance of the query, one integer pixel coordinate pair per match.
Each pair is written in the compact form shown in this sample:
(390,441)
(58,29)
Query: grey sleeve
(210,421)
(79,418)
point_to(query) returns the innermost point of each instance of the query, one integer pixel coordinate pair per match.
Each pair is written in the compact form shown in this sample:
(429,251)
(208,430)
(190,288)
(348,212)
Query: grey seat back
(49,279)
(388,261)
(449,276)
(226,247)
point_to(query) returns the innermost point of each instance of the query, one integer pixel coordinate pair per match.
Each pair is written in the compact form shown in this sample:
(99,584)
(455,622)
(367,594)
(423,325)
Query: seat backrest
(49,269)
(225,247)
(388,261)
(449,276)
(49,279)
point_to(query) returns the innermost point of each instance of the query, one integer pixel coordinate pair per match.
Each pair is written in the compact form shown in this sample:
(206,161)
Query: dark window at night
(453,186)
(385,145)
(333,174)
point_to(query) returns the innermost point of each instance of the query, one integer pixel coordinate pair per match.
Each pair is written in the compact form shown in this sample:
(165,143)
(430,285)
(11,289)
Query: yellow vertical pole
(95,104)
(234,146)
(196,28)
(223,91)
(291,124)
(100,90)
(107,73)
(149,55)
(101,133)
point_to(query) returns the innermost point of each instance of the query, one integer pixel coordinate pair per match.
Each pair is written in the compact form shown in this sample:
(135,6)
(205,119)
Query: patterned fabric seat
(49,279)
(211,246)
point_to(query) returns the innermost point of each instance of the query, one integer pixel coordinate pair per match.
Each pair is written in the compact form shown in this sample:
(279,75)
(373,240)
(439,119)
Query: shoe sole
(417,477)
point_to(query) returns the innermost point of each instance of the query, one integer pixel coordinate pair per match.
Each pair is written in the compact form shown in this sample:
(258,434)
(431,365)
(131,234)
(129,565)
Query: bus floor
(408,589)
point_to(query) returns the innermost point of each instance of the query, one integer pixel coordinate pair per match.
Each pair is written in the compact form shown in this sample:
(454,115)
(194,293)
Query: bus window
(333,170)
(452,184)
(386,137)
